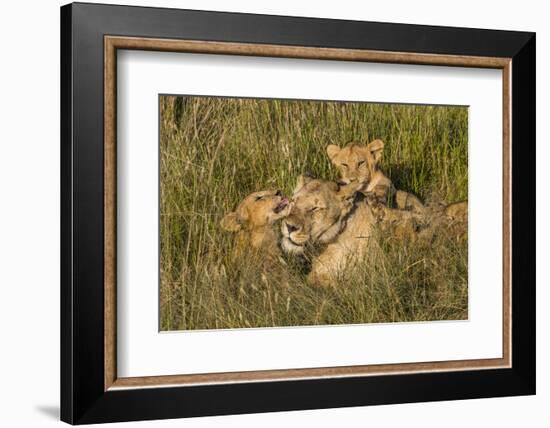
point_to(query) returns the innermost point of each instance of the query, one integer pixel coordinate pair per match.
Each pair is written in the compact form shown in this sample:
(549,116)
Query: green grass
(215,151)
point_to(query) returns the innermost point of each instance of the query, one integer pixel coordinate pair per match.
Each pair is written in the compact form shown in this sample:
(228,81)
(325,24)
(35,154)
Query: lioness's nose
(291,228)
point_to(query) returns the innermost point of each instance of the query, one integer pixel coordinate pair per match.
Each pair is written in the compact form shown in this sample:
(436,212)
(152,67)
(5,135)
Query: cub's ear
(231,222)
(376,148)
(332,151)
(302,180)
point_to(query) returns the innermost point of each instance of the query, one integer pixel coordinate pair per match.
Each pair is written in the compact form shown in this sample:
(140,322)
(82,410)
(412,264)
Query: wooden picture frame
(91,390)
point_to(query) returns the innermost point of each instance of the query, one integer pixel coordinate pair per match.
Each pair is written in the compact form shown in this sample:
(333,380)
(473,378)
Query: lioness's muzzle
(291,227)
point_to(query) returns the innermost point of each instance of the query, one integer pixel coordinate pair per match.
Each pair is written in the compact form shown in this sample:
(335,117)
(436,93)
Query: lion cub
(455,220)
(253,221)
(360,165)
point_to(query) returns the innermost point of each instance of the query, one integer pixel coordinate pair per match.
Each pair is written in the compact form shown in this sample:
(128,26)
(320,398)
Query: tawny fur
(343,226)
(360,164)
(323,214)
(253,222)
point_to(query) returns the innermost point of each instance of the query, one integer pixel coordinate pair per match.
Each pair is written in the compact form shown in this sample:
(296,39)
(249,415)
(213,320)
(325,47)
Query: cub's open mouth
(281,205)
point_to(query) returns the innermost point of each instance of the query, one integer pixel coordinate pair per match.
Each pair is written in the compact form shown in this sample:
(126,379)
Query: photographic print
(278,213)
(335,211)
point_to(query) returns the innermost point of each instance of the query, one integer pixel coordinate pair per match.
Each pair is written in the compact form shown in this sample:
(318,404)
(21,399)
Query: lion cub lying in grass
(359,170)
(253,222)
(360,165)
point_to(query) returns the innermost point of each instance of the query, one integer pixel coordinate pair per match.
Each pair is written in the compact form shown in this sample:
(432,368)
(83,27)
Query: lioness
(341,219)
(359,163)
(253,221)
(322,213)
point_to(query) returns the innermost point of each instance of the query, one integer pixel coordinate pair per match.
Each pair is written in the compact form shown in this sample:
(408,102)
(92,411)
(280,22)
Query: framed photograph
(266,213)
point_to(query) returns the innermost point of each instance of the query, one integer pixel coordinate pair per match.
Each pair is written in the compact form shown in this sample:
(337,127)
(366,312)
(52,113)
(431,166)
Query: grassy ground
(214,152)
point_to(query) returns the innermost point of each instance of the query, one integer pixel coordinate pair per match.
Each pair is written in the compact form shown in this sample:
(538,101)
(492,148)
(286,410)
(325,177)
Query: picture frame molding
(90,390)
(114,43)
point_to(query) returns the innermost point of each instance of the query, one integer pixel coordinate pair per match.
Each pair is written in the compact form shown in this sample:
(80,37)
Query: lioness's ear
(302,180)
(347,192)
(230,222)
(376,148)
(332,151)
(347,199)
(335,187)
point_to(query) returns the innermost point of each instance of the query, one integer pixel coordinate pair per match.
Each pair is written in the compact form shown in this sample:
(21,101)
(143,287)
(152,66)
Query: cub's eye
(360,163)
(345,165)
(311,210)
(258,198)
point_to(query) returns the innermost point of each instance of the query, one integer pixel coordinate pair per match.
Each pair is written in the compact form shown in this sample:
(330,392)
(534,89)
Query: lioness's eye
(345,165)
(314,209)
(360,163)
(258,198)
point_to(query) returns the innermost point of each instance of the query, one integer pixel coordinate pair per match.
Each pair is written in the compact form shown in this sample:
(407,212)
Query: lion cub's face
(257,210)
(356,163)
(316,211)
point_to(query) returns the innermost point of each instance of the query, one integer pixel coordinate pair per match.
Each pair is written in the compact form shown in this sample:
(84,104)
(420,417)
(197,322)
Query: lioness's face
(316,211)
(356,163)
(257,210)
